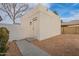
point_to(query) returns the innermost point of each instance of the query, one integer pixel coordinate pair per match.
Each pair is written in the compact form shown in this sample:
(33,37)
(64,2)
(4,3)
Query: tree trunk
(14,21)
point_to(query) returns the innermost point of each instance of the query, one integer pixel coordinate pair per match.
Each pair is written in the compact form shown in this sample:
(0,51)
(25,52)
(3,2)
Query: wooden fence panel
(70,30)
(77,30)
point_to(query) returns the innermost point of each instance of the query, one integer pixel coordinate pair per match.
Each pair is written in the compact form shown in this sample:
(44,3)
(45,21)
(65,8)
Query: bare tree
(14,10)
(1,18)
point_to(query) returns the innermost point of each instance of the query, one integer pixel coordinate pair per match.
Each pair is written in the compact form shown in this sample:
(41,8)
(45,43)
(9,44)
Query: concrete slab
(28,49)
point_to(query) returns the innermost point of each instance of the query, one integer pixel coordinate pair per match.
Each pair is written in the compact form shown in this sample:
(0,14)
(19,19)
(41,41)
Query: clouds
(32,5)
(74,16)
(47,5)
(67,11)
(6,19)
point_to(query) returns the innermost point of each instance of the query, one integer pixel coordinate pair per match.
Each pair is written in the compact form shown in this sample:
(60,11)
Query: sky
(66,11)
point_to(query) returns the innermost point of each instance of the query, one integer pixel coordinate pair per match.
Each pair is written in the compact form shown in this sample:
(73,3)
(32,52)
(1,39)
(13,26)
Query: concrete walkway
(28,49)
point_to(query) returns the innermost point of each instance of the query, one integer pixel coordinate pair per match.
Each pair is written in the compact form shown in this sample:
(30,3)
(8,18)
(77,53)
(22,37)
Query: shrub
(4,36)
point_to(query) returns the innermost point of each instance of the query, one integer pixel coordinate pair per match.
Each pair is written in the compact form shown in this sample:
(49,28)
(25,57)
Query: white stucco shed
(40,23)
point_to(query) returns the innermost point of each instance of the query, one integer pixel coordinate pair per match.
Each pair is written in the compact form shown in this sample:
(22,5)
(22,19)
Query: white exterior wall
(15,31)
(49,26)
(31,30)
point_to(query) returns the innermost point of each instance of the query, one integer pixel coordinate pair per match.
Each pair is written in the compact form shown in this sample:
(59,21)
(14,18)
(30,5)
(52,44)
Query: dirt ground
(62,45)
(13,49)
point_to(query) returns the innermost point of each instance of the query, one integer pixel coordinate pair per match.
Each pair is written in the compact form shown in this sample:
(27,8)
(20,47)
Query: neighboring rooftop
(73,22)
